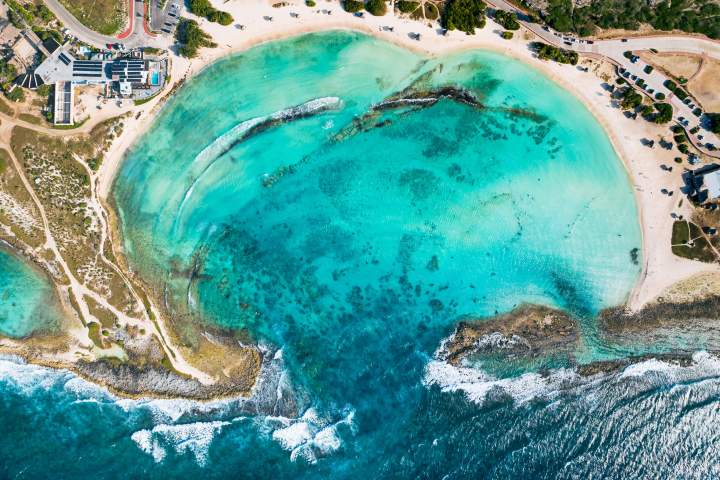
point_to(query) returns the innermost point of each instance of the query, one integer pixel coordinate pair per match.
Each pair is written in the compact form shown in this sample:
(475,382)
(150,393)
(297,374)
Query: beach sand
(661,269)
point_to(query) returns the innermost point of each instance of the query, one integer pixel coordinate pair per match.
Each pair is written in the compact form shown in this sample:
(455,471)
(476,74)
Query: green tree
(201,8)
(507,19)
(713,121)
(664,113)
(191,38)
(376,7)
(406,6)
(464,15)
(353,6)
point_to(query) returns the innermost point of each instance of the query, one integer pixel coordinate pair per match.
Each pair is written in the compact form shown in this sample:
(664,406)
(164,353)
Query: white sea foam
(311,436)
(192,438)
(477,384)
(703,364)
(206,158)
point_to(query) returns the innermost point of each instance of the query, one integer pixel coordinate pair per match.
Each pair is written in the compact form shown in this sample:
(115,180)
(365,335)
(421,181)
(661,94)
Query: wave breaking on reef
(243,130)
(479,386)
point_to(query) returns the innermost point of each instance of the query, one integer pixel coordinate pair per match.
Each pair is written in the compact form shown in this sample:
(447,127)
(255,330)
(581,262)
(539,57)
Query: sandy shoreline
(661,268)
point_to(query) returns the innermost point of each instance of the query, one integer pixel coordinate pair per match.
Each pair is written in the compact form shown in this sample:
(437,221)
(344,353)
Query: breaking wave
(189,426)
(224,143)
(479,386)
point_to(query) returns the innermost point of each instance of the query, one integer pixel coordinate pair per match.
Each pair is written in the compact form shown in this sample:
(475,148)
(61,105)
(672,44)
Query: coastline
(660,268)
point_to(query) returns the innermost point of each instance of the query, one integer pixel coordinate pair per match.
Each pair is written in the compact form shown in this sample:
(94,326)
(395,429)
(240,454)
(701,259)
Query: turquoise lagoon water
(356,247)
(26,299)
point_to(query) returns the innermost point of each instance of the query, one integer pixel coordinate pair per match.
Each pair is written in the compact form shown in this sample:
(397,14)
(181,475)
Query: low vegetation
(507,35)
(688,241)
(406,6)
(376,7)
(664,113)
(549,52)
(695,16)
(713,121)
(203,8)
(507,19)
(192,38)
(103,16)
(353,6)
(464,15)
(630,99)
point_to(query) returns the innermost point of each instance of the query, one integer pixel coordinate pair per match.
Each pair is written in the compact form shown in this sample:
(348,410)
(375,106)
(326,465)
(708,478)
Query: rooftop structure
(703,184)
(64,99)
(133,71)
(61,66)
(29,80)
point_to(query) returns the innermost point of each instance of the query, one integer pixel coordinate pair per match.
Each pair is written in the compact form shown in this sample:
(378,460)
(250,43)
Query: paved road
(138,38)
(614,49)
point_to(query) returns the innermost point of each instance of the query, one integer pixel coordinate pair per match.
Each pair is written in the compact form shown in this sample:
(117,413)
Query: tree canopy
(191,38)
(464,15)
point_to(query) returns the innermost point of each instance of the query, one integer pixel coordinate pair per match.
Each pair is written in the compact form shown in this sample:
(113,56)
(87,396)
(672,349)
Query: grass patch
(4,161)
(96,335)
(27,117)
(106,317)
(70,127)
(5,108)
(103,16)
(145,100)
(689,242)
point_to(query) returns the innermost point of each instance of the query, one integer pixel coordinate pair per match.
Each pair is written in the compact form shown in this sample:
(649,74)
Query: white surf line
(207,157)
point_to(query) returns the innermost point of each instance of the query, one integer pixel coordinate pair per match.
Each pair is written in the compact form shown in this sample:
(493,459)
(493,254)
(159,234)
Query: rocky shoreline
(532,331)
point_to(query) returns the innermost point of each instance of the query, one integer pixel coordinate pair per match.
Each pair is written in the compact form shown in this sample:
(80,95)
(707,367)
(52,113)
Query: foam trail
(223,144)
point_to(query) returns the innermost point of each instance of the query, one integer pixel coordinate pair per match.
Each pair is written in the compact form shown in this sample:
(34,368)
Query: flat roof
(61,66)
(712,183)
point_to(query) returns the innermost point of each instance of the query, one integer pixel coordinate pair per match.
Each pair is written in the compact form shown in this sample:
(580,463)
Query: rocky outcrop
(272,393)
(528,331)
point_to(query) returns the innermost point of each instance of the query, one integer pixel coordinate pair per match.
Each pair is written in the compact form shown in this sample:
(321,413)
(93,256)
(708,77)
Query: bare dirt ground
(677,65)
(705,87)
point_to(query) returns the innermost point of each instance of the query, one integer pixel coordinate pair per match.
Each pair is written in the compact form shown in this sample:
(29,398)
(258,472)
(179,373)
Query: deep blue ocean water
(356,251)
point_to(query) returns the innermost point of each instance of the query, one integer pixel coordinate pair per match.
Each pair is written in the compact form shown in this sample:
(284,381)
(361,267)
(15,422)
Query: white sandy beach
(661,268)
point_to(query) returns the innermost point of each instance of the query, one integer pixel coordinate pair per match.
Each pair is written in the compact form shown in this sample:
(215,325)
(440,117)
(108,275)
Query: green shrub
(464,15)
(713,120)
(44,90)
(550,52)
(376,7)
(648,69)
(310,3)
(664,113)
(406,6)
(507,19)
(683,148)
(507,35)
(659,96)
(225,18)
(203,8)
(353,6)
(431,11)
(630,99)
(15,95)
(191,38)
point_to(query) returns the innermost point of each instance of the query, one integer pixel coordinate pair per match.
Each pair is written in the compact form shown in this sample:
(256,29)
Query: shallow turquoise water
(26,299)
(357,256)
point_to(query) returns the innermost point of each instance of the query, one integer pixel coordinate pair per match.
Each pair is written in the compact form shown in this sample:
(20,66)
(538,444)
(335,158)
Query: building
(703,184)
(126,75)
(63,107)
